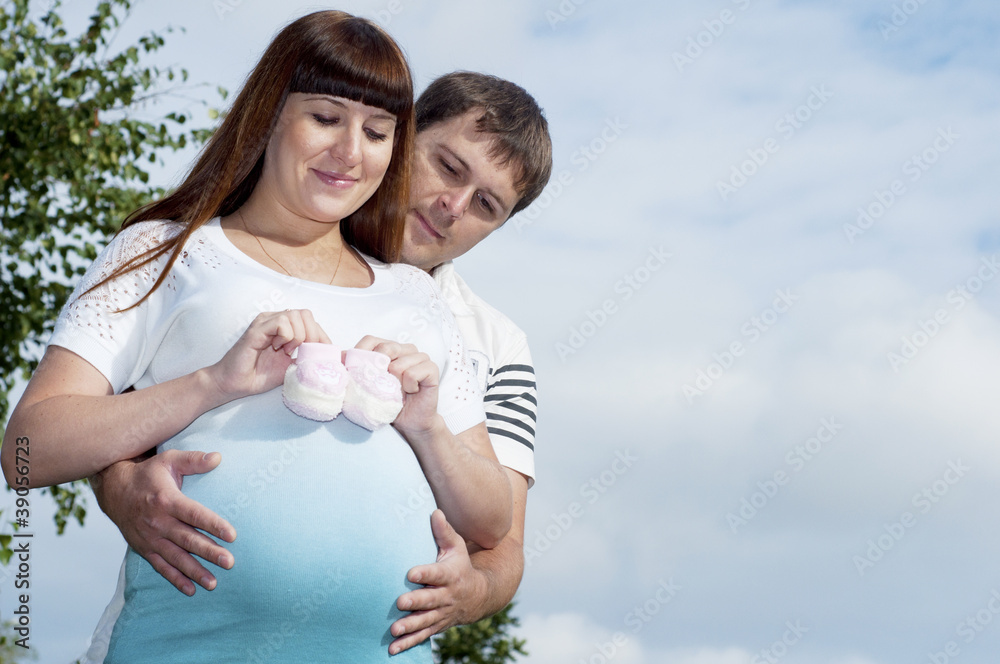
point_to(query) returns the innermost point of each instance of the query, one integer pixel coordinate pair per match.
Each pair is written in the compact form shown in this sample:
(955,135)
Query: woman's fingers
(393,349)
(313,331)
(413,368)
(414,371)
(287,330)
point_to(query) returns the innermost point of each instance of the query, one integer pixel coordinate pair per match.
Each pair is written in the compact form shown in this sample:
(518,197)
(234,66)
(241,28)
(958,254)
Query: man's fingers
(423,599)
(171,574)
(430,575)
(414,622)
(409,640)
(197,543)
(193,513)
(183,562)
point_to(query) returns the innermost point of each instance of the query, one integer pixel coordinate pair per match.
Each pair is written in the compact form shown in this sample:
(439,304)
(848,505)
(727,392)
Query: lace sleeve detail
(460,400)
(93,323)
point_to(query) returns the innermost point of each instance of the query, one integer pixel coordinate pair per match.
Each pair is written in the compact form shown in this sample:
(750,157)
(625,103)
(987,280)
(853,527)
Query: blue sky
(766,272)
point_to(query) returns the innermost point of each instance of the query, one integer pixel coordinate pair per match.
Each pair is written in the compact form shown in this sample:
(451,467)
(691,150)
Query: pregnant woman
(283,233)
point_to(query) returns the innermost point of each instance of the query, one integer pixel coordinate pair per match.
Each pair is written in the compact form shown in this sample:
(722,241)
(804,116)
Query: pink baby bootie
(315,384)
(374,396)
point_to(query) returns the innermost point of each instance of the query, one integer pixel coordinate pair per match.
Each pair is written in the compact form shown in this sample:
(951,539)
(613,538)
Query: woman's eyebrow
(380,115)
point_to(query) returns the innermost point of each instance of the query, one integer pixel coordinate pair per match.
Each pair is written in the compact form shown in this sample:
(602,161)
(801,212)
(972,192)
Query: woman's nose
(347,147)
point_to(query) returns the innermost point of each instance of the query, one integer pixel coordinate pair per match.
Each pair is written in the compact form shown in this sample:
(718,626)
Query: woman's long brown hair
(327,52)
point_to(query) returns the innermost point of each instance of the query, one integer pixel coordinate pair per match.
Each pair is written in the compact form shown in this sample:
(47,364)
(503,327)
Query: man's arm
(462,587)
(142,496)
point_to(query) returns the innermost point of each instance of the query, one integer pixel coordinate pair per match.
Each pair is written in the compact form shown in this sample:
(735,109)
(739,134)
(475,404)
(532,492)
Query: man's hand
(453,588)
(463,586)
(144,499)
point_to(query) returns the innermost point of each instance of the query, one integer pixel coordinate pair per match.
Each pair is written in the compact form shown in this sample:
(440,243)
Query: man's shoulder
(464,302)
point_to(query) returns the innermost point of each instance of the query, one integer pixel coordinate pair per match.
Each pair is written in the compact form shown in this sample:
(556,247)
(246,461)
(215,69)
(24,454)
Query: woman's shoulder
(150,232)
(140,237)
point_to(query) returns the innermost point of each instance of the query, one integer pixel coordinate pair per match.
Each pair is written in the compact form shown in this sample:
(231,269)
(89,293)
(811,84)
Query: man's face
(458,195)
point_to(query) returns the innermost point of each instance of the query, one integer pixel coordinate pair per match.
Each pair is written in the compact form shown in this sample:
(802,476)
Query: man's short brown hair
(521,133)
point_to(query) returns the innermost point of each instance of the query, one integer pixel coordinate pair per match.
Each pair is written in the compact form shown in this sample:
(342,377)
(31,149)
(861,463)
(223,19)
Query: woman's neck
(267,219)
(299,247)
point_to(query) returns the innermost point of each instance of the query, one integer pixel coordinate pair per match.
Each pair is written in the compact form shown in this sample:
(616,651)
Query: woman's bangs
(363,70)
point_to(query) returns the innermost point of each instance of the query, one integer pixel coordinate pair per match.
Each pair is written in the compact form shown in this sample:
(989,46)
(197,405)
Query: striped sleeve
(511,403)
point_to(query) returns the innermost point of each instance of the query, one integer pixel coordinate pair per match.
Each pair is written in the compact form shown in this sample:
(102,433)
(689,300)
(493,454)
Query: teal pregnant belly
(329,520)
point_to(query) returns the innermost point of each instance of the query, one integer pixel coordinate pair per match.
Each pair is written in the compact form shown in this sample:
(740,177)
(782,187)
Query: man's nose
(455,202)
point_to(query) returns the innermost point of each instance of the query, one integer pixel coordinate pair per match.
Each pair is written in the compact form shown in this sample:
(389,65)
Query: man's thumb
(444,535)
(192,462)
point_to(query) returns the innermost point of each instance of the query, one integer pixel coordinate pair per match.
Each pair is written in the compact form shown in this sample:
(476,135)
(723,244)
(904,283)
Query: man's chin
(412,255)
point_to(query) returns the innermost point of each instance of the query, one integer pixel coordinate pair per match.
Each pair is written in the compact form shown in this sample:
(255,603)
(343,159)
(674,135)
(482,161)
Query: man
(483,153)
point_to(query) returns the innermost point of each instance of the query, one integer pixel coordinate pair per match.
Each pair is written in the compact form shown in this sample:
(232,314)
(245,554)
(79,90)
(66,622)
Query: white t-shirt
(205,303)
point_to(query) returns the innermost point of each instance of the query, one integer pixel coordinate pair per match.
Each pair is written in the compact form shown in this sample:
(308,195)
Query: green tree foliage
(74,160)
(484,642)
(10,652)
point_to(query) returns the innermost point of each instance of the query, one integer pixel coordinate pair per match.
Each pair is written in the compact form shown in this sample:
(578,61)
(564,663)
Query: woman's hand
(258,360)
(419,377)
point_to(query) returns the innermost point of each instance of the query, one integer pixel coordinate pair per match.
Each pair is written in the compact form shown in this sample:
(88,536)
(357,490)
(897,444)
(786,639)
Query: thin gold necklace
(278,263)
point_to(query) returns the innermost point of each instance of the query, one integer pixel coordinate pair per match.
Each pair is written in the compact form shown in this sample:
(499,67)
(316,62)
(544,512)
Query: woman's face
(327,155)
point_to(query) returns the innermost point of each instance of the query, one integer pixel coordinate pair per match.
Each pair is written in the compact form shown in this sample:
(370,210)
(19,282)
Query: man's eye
(486,204)
(448,167)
